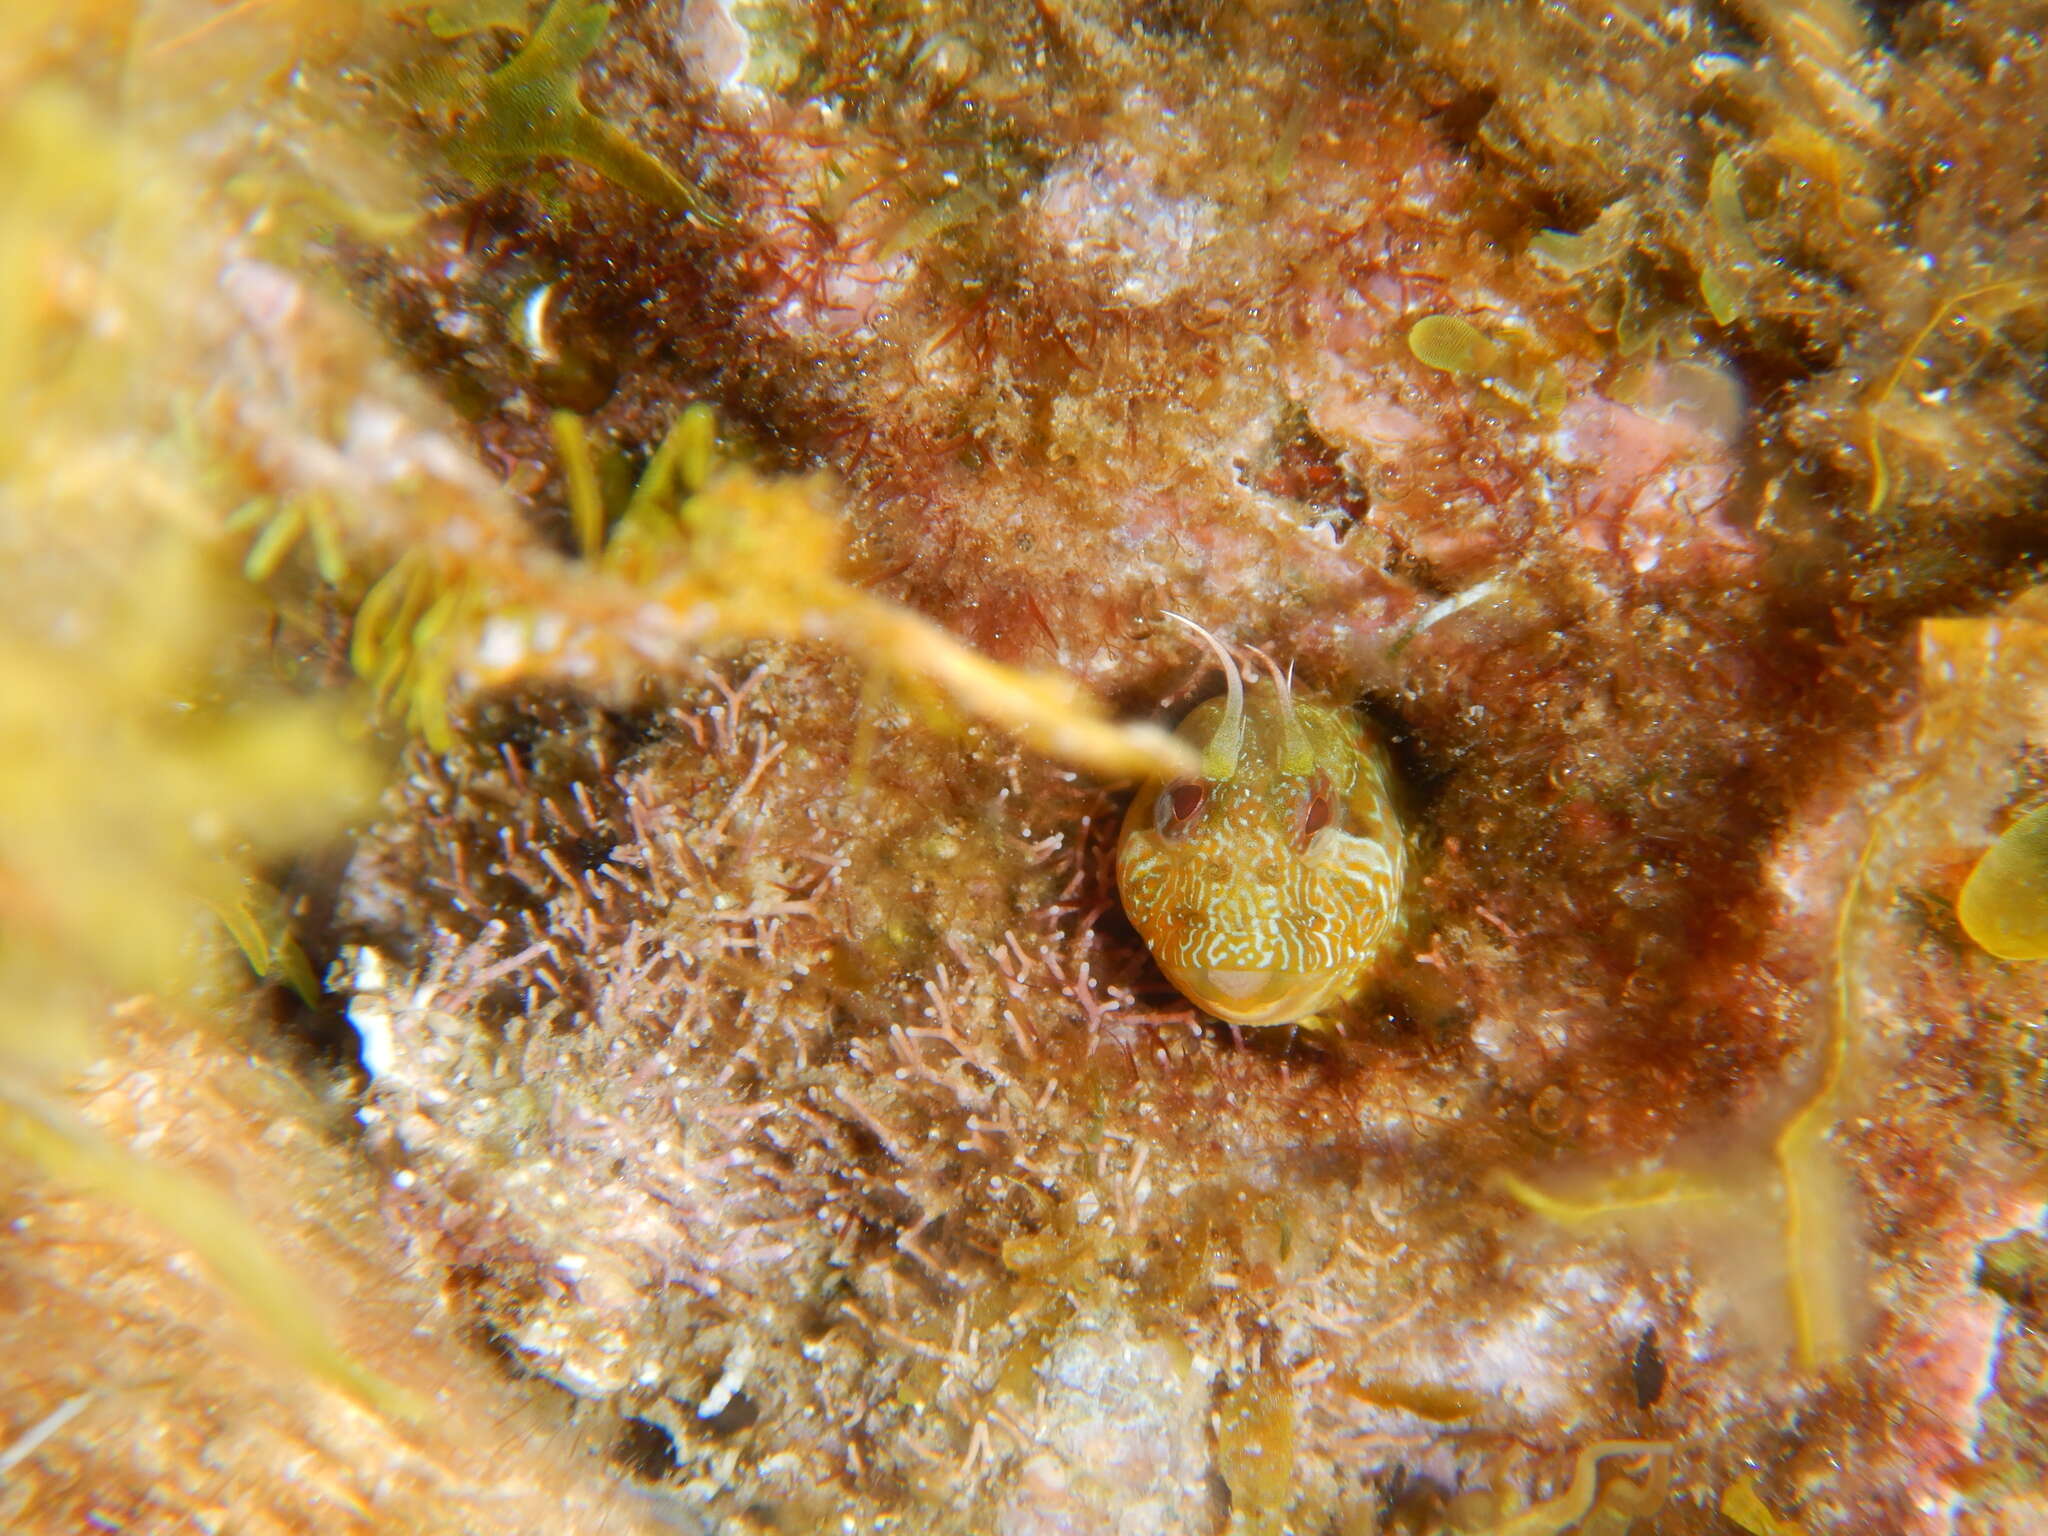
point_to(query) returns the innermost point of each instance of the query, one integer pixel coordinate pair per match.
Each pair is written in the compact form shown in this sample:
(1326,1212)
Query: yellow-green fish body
(1268,888)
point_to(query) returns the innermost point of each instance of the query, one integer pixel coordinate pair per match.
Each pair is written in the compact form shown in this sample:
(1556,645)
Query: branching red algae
(761,1058)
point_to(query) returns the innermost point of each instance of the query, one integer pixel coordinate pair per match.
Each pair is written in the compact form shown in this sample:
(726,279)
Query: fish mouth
(1267,995)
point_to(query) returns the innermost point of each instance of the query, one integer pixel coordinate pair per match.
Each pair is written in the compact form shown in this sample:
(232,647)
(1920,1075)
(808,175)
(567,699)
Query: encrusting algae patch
(589,599)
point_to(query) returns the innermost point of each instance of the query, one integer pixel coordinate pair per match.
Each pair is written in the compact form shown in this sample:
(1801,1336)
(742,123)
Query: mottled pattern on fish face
(1275,897)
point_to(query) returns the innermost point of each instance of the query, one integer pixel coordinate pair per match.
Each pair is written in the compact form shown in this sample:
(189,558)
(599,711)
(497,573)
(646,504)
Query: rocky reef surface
(1637,412)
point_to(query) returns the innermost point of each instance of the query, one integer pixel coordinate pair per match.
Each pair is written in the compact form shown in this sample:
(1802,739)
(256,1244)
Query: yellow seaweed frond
(262,931)
(1454,345)
(1589,1505)
(648,534)
(1610,1197)
(586,501)
(411,632)
(178,424)
(1828,161)
(1724,205)
(736,558)
(1741,1503)
(1995,300)
(936,219)
(1255,1451)
(1045,710)
(208,1222)
(529,109)
(2003,906)
(1433,1401)
(278,530)
(1969,668)
(1567,252)
(1813,1202)
(462,18)
(1719,295)
(1286,145)
(1603,241)
(775,554)
(124,815)
(684,462)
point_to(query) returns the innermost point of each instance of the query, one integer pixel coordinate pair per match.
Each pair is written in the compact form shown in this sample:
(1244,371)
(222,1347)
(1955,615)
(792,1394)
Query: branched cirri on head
(1268,887)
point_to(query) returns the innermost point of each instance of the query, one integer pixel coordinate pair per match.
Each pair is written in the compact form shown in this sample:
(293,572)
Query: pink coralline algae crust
(768,1058)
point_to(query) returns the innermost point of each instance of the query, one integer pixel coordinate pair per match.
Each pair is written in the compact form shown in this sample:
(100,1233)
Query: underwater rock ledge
(754,1112)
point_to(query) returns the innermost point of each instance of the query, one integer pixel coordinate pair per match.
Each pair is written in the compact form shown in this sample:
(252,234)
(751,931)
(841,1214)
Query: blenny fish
(1269,887)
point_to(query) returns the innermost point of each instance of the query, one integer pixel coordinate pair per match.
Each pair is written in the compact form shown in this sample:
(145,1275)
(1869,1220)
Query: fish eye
(1318,810)
(1178,806)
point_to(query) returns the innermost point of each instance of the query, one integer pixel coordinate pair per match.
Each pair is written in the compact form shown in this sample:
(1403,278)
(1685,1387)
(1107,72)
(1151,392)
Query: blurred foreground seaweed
(183,416)
(156,764)
(956,1206)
